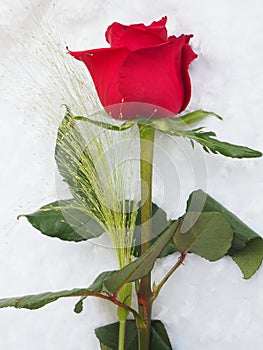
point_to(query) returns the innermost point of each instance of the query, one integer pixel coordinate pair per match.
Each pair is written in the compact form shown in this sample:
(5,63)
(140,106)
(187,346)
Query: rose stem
(122,334)
(145,292)
(125,296)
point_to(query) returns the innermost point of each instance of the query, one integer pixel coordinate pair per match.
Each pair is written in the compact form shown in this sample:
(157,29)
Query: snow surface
(205,306)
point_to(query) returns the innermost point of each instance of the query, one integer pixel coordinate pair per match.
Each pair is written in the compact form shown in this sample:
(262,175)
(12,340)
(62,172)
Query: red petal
(104,67)
(161,23)
(158,28)
(188,56)
(154,76)
(137,36)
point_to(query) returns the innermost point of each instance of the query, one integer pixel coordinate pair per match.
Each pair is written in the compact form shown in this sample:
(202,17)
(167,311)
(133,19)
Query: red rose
(143,73)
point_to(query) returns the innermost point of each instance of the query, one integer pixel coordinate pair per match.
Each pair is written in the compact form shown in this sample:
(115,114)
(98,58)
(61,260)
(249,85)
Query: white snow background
(204,306)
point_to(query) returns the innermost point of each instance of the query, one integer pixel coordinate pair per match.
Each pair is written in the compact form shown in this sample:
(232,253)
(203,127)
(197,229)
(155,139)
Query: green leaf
(194,117)
(246,245)
(108,336)
(170,248)
(170,125)
(98,286)
(37,301)
(250,258)
(159,223)
(68,152)
(211,144)
(123,126)
(103,347)
(76,165)
(159,337)
(206,234)
(199,200)
(79,306)
(143,265)
(67,220)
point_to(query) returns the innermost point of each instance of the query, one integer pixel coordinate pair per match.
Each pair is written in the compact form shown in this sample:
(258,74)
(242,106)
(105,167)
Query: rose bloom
(143,72)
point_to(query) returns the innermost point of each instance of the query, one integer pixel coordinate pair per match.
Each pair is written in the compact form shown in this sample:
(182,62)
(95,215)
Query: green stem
(142,334)
(122,334)
(145,292)
(125,297)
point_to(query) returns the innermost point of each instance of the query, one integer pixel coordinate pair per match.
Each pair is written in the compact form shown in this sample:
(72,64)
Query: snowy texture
(204,305)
